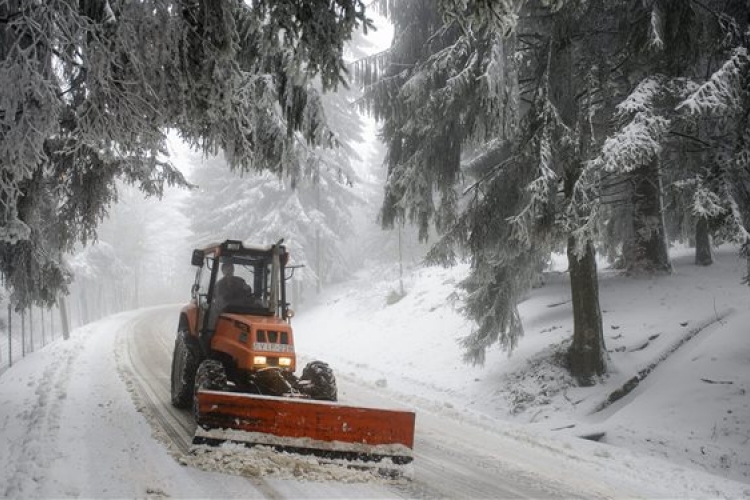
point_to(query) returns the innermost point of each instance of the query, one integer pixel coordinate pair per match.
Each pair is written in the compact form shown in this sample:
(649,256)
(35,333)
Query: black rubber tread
(318,381)
(184,366)
(210,376)
(274,382)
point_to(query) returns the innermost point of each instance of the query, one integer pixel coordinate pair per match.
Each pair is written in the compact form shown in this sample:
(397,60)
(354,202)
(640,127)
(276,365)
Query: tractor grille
(272,337)
(272,341)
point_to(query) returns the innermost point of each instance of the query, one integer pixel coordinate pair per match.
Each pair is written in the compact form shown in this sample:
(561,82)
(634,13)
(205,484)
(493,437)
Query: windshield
(243,284)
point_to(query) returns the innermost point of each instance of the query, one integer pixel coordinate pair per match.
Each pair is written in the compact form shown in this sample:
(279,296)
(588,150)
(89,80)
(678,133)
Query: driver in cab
(231,288)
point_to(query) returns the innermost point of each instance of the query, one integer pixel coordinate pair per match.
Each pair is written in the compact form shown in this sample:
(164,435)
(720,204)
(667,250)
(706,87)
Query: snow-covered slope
(684,334)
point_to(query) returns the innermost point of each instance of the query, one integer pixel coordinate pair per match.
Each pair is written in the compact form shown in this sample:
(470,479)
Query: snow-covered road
(76,433)
(90,417)
(446,464)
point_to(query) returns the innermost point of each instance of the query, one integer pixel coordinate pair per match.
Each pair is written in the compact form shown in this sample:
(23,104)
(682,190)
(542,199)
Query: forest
(511,130)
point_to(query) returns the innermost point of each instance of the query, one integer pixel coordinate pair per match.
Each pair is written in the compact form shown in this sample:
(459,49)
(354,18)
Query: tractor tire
(319,382)
(210,376)
(273,382)
(184,365)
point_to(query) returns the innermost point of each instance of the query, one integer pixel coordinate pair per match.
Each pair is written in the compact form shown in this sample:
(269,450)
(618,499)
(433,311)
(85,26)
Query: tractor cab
(235,279)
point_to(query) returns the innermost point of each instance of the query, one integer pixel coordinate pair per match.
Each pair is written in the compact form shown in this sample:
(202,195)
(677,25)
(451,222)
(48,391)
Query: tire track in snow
(42,419)
(143,370)
(140,380)
(147,403)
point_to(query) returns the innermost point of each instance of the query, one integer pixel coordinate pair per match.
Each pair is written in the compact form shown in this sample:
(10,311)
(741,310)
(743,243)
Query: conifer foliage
(437,88)
(722,102)
(507,94)
(314,217)
(88,88)
(547,114)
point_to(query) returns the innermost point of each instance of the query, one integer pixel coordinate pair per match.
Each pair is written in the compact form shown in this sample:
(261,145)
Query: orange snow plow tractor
(234,363)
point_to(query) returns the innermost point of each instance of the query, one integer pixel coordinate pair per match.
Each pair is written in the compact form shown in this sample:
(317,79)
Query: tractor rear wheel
(184,364)
(318,381)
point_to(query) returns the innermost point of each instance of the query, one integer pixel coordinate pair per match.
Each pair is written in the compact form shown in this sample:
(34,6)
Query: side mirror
(198,258)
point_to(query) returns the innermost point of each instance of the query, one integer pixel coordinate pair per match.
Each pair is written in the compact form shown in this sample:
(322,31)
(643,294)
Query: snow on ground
(70,428)
(686,333)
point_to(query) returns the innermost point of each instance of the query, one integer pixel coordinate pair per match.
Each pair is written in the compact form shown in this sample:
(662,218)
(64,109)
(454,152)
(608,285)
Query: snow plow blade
(304,426)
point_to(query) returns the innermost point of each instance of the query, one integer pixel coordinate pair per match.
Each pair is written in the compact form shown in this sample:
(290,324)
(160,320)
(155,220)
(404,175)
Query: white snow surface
(71,428)
(692,409)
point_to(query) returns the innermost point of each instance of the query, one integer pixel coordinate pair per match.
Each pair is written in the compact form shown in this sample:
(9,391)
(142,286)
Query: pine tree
(590,89)
(438,87)
(673,47)
(311,210)
(631,161)
(661,47)
(100,282)
(451,82)
(723,102)
(88,89)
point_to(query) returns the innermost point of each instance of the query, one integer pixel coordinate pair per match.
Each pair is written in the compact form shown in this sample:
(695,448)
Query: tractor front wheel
(210,376)
(318,381)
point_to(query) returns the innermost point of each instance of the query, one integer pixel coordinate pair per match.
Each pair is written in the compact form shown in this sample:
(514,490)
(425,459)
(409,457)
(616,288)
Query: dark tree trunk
(703,254)
(587,354)
(650,236)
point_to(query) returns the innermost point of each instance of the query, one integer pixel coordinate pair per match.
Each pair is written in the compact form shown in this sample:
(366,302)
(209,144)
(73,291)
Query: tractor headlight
(289,313)
(259,360)
(285,361)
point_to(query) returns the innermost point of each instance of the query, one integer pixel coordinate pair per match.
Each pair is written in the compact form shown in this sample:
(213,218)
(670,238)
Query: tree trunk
(587,354)
(650,235)
(64,325)
(400,264)
(23,333)
(703,254)
(318,260)
(83,306)
(41,322)
(10,335)
(31,328)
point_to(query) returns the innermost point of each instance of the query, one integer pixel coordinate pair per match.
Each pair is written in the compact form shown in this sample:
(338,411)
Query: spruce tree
(510,93)
(88,90)
(440,86)
(591,91)
(311,209)
(672,48)
(723,102)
